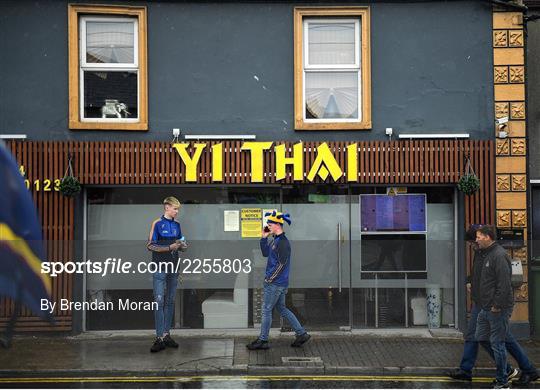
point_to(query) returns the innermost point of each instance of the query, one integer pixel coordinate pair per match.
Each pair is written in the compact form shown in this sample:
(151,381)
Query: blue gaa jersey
(163,233)
(279,260)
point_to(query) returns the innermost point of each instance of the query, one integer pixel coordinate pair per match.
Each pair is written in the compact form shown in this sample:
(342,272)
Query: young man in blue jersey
(164,242)
(276,281)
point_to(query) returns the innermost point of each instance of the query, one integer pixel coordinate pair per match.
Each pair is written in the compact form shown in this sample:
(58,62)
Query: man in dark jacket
(471,345)
(470,348)
(496,300)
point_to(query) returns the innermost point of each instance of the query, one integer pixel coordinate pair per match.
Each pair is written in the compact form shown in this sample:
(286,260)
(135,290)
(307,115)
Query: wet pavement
(215,382)
(347,361)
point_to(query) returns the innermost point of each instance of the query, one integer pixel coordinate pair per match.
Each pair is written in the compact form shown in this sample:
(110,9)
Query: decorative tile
(522,293)
(520,254)
(503,218)
(503,147)
(503,182)
(518,146)
(501,74)
(519,183)
(515,38)
(500,38)
(517,74)
(517,110)
(501,110)
(519,218)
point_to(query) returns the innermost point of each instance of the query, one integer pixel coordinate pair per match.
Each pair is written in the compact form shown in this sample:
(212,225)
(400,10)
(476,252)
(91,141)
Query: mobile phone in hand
(266,229)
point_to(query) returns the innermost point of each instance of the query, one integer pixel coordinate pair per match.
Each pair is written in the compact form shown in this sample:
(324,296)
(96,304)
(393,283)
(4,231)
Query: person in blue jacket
(276,281)
(164,241)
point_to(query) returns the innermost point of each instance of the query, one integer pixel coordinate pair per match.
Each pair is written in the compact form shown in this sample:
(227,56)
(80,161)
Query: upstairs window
(332,72)
(108,85)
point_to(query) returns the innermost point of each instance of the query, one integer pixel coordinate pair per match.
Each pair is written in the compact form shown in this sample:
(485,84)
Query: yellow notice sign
(251,222)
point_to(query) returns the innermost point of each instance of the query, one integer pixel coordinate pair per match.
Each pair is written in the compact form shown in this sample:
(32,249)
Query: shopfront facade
(341,276)
(347,116)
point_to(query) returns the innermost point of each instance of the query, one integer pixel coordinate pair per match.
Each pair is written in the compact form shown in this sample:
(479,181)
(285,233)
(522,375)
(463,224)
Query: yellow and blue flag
(21,242)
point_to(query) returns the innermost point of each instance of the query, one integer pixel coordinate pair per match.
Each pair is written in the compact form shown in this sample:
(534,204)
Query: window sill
(301,125)
(74,125)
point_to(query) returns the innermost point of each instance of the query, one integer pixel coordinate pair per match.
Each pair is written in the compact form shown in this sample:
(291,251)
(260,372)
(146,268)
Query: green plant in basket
(69,185)
(469,183)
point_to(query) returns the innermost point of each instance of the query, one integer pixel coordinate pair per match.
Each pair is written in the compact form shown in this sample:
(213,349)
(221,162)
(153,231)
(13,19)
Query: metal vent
(301,361)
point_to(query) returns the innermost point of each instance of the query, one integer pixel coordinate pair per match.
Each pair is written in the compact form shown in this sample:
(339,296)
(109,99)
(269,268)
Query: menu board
(393,213)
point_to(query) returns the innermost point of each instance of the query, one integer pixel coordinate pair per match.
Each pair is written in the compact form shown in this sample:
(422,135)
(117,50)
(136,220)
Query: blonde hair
(172,201)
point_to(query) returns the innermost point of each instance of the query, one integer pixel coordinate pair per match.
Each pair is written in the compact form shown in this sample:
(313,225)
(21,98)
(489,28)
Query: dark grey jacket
(474,279)
(496,278)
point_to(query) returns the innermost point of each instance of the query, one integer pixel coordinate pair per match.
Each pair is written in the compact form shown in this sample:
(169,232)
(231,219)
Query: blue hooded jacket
(279,260)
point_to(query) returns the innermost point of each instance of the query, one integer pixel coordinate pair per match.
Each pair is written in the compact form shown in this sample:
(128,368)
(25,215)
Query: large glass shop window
(403,251)
(360,257)
(218,223)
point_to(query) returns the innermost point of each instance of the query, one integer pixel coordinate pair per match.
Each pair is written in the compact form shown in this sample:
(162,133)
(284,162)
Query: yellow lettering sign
(256,149)
(325,163)
(297,161)
(352,162)
(217,162)
(190,162)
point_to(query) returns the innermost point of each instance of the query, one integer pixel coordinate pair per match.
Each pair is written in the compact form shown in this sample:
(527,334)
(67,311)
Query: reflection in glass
(111,95)
(393,252)
(332,95)
(110,42)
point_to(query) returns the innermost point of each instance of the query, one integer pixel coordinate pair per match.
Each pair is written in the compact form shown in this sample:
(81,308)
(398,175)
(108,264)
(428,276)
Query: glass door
(320,265)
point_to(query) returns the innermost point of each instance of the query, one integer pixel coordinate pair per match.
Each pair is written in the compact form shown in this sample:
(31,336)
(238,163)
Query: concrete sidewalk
(322,355)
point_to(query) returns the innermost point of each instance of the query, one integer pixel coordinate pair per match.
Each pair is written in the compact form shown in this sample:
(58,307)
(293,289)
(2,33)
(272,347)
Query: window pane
(332,95)
(331,43)
(110,42)
(110,95)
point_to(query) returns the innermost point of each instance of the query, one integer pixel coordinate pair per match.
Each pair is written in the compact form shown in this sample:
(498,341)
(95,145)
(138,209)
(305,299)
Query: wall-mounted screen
(386,213)
(393,252)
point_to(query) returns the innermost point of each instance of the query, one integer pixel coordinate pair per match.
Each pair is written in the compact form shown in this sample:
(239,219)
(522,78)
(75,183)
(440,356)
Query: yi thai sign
(324,165)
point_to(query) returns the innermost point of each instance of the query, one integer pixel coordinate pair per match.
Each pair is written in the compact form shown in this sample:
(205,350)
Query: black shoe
(525,379)
(459,375)
(158,345)
(300,340)
(169,342)
(500,385)
(257,344)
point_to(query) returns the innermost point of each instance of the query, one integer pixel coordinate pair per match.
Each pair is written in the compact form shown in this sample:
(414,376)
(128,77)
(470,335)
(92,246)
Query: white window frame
(108,67)
(342,68)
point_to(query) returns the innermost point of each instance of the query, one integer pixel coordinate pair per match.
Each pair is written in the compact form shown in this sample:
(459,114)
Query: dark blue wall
(431,70)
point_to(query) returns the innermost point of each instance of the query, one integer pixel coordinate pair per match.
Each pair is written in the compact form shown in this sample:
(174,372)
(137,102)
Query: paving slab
(206,356)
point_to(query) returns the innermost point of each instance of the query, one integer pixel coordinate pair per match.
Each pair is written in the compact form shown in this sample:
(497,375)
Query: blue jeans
(470,349)
(494,327)
(512,346)
(274,296)
(164,294)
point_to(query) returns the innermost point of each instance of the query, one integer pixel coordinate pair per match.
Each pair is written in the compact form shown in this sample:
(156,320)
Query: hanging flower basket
(69,185)
(469,182)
